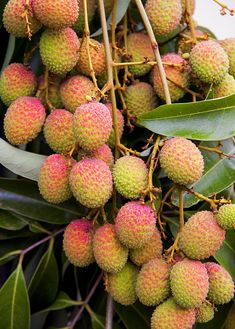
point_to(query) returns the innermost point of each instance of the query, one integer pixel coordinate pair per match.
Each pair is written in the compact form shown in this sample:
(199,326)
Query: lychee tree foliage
(117,178)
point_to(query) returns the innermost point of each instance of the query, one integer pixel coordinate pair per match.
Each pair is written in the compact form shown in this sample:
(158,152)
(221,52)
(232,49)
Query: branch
(109,313)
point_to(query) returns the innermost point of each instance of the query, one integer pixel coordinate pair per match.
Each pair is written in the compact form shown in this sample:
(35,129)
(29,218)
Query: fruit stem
(181,206)
(224,8)
(126,151)
(127,74)
(26,15)
(216,150)
(109,313)
(189,21)
(187,90)
(28,55)
(103,215)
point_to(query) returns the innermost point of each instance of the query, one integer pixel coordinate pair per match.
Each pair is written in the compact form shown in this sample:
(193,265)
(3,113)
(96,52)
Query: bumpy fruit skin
(140,98)
(53,179)
(91,182)
(54,82)
(59,50)
(181,160)
(139,48)
(178,74)
(201,236)
(110,254)
(205,313)
(135,224)
(16,80)
(121,285)
(80,22)
(185,44)
(120,120)
(77,242)
(230,321)
(226,216)
(169,315)
(164,15)
(13,21)
(225,88)
(153,284)
(189,283)
(24,120)
(75,90)
(229,47)
(209,61)
(104,153)
(58,131)
(221,286)
(152,249)
(130,176)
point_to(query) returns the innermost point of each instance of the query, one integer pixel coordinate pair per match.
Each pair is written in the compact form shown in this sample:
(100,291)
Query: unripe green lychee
(189,283)
(185,42)
(153,284)
(59,50)
(80,22)
(201,236)
(24,120)
(209,61)
(16,80)
(225,88)
(130,176)
(110,254)
(169,315)
(164,15)
(135,224)
(230,321)
(226,216)
(54,82)
(191,6)
(13,21)
(181,160)
(53,178)
(121,285)
(91,182)
(221,286)
(120,120)
(75,91)
(92,125)
(229,47)
(152,249)
(58,131)
(77,242)
(205,312)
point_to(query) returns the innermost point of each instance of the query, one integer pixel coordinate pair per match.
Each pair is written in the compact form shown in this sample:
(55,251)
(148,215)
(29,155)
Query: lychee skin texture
(58,131)
(153,284)
(104,153)
(120,120)
(91,182)
(130,176)
(164,15)
(59,50)
(189,283)
(225,88)
(92,125)
(53,179)
(152,249)
(201,236)
(13,21)
(169,315)
(24,120)
(205,313)
(110,254)
(121,285)
(221,286)
(229,47)
(56,14)
(80,22)
(75,90)
(209,61)
(181,160)
(77,242)
(135,224)
(16,81)
(226,216)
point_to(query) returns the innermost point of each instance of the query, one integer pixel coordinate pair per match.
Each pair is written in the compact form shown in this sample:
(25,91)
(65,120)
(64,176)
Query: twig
(217,150)
(109,313)
(190,22)
(224,8)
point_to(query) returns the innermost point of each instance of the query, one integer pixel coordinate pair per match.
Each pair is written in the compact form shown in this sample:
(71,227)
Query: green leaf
(9,52)
(14,302)
(10,221)
(209,120)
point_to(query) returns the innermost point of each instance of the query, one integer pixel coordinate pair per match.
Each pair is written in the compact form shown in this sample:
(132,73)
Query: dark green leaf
(133,317)
(10,221)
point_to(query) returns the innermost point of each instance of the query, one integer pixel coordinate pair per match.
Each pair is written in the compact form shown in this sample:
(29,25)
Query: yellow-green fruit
(205,312)
(164,15)
(191,6)
(120,122)
(58,131)
(181,160)
(80,22)
(153,284)
(169,315)
(53,179)
(91,182)
(130,176)
(75,91)
(226,216)
(221,286)
(110,254)
(24,120)
(140,98)
(189,283)
(13,21)
(59,50)
(139,48)
(54,82)
(229,47)
(230,321)
(185,42)
(77,242)
(152,249)
(177,71)
(201,236)
(121,285)
(225,88)
(209,61)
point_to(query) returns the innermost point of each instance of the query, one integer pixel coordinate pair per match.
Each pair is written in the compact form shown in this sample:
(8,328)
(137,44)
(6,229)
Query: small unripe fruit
(229,47)
(185,42)
(205,312)
(226,216)
(225,88)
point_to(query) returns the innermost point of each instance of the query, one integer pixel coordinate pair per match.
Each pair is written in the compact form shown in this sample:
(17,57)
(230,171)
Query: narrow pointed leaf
(11,222)
(62,301)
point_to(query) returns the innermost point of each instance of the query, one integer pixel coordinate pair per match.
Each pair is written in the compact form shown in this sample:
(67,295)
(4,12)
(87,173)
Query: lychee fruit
(225,88)
(80,22)
(229,47)
(103,153)
(120,120)
(226,216)
(185,42)
(205,312)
